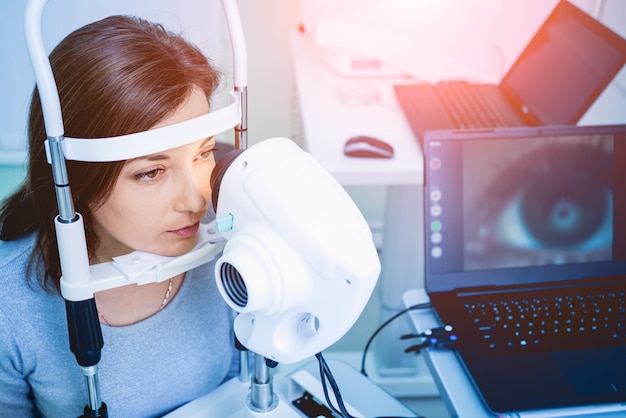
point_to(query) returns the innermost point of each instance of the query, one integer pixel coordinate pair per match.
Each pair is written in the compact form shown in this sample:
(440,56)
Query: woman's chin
(180,247)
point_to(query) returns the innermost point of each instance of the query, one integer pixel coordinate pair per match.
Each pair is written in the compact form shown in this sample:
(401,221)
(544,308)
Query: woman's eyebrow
(206,141)
(152,157)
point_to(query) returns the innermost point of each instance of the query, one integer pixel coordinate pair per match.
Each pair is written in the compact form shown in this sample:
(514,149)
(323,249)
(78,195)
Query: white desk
(362,398)
(333,109)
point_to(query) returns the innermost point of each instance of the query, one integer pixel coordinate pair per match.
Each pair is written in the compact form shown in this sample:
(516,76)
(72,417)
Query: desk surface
(455,387)
(362,397)
(334,109)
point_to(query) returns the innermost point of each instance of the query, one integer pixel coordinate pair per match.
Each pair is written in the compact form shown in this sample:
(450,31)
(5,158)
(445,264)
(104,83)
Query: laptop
(557,77)
(525,240)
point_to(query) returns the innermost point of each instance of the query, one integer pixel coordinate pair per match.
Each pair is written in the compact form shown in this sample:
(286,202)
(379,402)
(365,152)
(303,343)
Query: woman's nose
(193,192)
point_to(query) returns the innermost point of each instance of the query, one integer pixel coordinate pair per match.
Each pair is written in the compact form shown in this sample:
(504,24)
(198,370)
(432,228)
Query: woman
(164,343)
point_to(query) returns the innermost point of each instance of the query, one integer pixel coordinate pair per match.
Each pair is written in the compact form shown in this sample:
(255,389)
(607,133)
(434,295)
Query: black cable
(425,305)
(325,373)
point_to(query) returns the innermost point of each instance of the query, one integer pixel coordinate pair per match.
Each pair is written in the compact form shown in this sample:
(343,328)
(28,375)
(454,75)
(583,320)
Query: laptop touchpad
(594,372)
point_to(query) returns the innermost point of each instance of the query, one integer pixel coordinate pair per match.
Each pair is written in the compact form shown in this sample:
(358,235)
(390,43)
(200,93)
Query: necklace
(167,295)
(166,299)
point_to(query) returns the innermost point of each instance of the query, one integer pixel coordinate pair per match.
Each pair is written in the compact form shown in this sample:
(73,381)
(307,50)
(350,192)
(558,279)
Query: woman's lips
(187,231)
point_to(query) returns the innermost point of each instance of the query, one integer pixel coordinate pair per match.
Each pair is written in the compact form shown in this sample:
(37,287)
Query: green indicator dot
(435,226)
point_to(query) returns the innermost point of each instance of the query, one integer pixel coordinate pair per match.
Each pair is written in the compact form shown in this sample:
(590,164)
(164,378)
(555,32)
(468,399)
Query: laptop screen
(537,203)
(570,48)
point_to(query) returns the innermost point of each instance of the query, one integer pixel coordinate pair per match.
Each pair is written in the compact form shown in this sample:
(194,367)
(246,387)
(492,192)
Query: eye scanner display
(517,218)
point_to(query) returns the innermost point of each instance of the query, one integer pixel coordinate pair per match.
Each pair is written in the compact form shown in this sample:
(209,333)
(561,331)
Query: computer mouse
(364,146)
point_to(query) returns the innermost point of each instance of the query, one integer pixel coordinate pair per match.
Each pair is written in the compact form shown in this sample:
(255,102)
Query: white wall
(270,85)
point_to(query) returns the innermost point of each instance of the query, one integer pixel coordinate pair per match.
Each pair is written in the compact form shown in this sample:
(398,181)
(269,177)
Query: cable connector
(440,337)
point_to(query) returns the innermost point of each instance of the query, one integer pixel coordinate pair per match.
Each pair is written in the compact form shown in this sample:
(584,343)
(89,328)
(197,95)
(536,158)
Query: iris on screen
(545,204)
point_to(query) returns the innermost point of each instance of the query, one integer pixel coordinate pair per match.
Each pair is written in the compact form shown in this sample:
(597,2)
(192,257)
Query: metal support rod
(83,324)
(244,361)
(241,130)
(262,397)
(61,180)
(244,367)
(261,371)
(93,387)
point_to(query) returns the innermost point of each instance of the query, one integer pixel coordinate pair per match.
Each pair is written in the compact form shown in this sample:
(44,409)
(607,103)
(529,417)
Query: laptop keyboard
(469,107)
(549,322)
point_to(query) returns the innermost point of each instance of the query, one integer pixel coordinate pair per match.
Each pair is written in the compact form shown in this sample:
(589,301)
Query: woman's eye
(206,154)
(149,175)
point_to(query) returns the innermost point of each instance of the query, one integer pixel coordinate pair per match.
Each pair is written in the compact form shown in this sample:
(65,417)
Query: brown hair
(116,76)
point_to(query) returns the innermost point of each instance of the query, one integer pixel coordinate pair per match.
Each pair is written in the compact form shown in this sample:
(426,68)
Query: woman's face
(158,200)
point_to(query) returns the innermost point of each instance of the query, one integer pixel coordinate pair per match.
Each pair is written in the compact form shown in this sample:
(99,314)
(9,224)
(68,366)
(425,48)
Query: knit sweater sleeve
(14,396)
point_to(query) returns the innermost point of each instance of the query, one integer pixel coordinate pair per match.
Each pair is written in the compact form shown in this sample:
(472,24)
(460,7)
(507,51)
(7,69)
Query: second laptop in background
(561,72)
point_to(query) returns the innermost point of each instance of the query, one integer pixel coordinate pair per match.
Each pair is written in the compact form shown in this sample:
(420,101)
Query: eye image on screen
(541,201)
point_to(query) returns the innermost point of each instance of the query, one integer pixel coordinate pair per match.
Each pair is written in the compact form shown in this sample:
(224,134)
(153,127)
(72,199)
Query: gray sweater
(147,369)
